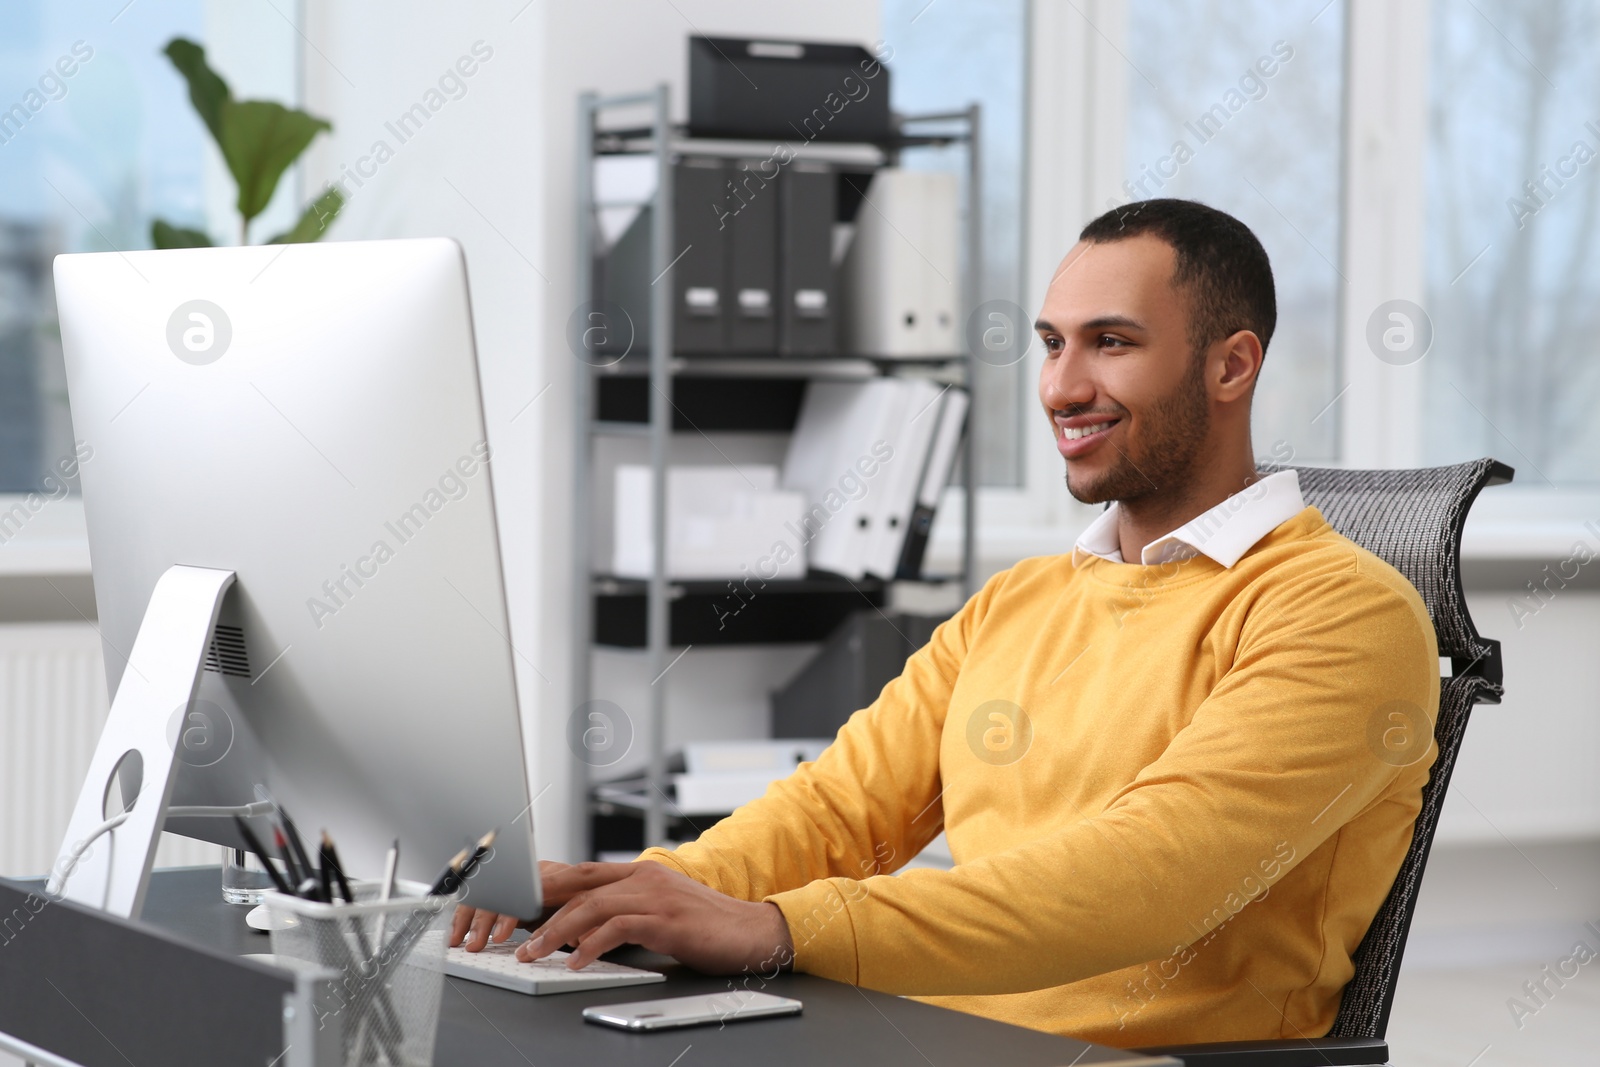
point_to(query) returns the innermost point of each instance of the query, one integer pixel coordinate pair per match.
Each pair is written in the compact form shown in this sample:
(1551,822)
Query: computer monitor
(306,418)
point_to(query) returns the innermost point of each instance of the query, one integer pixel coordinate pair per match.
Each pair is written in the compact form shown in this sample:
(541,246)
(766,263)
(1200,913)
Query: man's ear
(1238,359)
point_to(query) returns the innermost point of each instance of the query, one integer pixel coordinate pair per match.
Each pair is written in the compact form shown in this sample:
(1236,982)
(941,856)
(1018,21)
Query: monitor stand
(162,674)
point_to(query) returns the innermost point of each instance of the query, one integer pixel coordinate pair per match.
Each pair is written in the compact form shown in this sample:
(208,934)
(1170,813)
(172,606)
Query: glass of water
(244,880)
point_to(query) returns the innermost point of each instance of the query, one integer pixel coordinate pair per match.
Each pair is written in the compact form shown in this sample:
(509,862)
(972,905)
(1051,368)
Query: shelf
(843,366)
(640,140)
(722,612)
(618,810)
(759,396)
(632,797)
(616,428)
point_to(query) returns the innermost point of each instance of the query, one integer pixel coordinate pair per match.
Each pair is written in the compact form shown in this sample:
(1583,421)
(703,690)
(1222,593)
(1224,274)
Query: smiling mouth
(1077,433)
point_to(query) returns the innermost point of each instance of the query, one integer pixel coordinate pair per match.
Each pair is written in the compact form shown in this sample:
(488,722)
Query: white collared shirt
(1225,533)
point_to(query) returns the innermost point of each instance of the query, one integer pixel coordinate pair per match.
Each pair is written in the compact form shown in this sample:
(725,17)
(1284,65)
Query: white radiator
(52,705)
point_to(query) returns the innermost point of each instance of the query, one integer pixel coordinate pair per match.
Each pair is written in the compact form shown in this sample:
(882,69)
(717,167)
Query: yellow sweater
(1176,795)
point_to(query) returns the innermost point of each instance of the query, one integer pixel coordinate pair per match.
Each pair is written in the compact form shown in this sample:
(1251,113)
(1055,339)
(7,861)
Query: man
(1150,756)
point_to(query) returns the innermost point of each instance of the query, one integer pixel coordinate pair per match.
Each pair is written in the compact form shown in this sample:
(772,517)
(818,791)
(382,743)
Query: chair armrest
(1312,1052)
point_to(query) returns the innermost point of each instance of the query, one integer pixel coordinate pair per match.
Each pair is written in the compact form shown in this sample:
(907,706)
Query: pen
(254,845)
(287,855)
(330,861)
(300,854)
(325,873)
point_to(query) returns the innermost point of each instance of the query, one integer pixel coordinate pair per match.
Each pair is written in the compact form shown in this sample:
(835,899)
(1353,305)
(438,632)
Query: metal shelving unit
(612,395)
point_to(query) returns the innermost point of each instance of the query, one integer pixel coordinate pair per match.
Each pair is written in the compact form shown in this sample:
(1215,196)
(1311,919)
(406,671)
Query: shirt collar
(1225,533)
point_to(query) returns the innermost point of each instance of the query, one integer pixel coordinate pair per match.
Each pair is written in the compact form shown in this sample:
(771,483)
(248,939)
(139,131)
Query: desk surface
(487,1027)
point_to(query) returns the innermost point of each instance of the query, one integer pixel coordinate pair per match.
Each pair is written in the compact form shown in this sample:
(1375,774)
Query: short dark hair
(1220,263)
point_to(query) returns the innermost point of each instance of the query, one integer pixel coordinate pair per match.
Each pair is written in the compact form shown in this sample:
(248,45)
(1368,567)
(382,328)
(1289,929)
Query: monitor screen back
(309,417)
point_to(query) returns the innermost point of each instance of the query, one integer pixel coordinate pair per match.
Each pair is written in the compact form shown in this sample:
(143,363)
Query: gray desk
(487,1027)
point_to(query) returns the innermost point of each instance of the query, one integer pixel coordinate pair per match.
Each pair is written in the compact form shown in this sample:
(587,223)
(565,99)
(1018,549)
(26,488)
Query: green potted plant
(259,139)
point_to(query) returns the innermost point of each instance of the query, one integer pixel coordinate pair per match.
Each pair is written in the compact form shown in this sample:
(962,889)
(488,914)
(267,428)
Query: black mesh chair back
(1413,520)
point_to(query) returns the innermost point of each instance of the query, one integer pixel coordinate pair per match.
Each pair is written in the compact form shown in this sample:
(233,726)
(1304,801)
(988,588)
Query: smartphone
(732,1006)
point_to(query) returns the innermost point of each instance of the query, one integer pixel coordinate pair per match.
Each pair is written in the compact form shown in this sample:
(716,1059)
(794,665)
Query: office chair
(1413,520)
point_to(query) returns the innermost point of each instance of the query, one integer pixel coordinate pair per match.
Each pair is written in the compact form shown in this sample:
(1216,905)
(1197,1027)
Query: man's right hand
(477,928)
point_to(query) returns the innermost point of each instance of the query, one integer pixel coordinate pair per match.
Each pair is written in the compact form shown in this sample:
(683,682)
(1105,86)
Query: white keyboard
(497,965)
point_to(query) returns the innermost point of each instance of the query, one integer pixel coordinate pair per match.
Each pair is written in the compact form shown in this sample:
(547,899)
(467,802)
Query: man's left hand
(648,904)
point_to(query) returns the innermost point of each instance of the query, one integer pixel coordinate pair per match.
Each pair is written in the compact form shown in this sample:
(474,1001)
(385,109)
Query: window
(946,56)
(97,138)
(1513,267)
(1237,104)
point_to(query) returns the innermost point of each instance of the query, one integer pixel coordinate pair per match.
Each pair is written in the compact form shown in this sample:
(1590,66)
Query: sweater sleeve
(1281,751)
(868,804)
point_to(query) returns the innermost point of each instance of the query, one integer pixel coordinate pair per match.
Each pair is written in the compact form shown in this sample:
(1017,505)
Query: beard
(1176,428)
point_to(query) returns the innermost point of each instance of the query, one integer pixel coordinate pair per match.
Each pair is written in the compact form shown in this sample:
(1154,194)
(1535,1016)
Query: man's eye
(1107,341)
(1053,344)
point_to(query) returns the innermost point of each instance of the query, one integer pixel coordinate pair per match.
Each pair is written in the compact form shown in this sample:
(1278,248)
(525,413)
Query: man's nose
(1063,383)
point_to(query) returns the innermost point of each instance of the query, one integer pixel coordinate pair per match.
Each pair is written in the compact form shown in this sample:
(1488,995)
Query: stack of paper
(722,775)
(722,522)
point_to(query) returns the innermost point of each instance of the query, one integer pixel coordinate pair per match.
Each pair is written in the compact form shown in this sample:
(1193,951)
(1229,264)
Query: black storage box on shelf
(794,90)
(862,656)
(736,611)
(710,403)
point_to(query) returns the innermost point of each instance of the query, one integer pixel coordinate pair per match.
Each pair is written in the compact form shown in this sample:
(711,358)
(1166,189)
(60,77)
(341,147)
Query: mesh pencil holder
(386,961)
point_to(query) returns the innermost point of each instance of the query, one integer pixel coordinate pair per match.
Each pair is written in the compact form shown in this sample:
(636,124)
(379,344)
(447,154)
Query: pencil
(462,866)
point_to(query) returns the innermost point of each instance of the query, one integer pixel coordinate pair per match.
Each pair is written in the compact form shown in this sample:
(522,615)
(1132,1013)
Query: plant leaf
(165,235)
(260,139)
(207,91)
(313,221)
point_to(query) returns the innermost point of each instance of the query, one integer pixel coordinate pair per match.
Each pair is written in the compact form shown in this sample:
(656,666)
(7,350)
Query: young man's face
(1124,390)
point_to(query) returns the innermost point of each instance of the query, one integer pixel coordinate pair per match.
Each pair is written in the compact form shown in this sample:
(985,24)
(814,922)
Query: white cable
(59,877)
(200,811)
